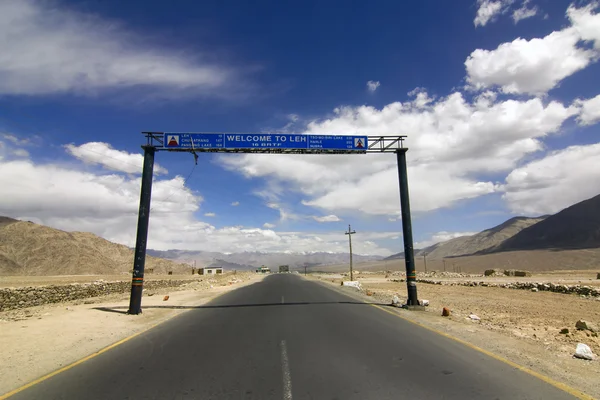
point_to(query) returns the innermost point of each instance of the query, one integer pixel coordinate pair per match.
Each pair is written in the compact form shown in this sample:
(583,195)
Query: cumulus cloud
(116,160)
(235,203)
(451,141)
(68,198)
(372,86)
(47,49)
(590,110)
(488,10)
(586,22)
(327,218)
(550,184)
(210,214)
(268,225)
(537,65)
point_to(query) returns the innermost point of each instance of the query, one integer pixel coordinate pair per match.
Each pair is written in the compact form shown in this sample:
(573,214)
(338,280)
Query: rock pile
(581,290)
(506,272)
(11,299)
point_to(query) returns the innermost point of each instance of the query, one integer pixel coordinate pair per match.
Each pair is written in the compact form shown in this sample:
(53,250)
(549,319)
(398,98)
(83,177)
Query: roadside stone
(20,298)
(535,289)
(564,331)
(165,298)
(445,312)
(586,326)
(584,352)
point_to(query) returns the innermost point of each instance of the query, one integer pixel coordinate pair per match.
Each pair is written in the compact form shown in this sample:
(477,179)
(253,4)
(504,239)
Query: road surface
(290,338)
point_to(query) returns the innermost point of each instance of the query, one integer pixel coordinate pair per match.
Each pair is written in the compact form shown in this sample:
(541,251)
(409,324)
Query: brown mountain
(31,249)
(466,245)
(487,239)
(575,227)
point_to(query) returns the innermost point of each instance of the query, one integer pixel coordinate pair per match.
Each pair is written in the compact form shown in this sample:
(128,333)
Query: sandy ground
(520,325)
(530,260)
(39,340)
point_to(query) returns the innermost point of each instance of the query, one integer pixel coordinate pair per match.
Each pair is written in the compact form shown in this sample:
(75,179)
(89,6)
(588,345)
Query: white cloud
(268,225)
(554,182)
(488,10)
(537,65)
(586,23)
(20,153)
(235,203)
(15,140)
(67,198)
(284,215)
(50,49)
(451,141)
(110,158)
(524,12)
(441,237)
(590,110)
(210,214)
(372,86)
(327,218)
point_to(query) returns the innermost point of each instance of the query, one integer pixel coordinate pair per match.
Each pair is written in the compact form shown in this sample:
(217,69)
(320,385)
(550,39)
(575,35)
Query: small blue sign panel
(233,141)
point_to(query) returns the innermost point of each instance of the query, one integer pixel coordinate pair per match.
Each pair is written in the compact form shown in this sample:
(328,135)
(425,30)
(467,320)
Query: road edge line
(559,385)
(95,354)
(73,364)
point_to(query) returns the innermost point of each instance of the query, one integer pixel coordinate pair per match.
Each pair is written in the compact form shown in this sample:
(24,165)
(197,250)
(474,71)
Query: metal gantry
(376,144)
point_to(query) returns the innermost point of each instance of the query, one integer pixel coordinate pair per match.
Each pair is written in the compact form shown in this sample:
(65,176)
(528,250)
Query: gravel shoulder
(39,340)
(521,326)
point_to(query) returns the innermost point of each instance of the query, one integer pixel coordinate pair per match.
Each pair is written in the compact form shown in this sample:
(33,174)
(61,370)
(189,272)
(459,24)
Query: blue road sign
(233,141)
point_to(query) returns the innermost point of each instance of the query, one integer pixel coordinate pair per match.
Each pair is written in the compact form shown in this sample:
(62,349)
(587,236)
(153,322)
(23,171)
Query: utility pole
(350,233)
(425,261)
(139,258)
(444,261)
(409,255)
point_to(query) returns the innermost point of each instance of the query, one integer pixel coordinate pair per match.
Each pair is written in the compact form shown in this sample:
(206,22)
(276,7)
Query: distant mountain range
(575,227)
(255,259)
(31,249)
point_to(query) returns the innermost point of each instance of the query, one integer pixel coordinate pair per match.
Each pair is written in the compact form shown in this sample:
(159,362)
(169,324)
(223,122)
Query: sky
(499,100)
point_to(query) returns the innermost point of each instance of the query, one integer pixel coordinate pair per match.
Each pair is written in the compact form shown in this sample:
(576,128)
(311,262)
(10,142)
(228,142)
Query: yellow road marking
(65,368)
(574,392)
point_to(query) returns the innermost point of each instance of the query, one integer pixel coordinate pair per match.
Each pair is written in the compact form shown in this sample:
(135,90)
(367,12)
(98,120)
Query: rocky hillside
(485,240)
(31,249)
(575,227)
(488,239)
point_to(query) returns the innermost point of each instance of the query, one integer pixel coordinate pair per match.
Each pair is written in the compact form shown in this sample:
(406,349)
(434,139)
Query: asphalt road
(289,338)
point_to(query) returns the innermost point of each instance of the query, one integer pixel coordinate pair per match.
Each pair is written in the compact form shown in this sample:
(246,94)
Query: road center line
(285,366)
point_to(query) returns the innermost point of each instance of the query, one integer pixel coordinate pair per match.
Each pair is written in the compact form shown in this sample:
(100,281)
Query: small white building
(210,271)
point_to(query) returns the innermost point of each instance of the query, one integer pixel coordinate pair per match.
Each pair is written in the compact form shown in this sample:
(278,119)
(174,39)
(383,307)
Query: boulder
(584,352)
(445,312)
(492,272)
(583,325)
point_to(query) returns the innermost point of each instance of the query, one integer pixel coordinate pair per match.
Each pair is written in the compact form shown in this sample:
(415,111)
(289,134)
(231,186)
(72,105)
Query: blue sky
(499,100)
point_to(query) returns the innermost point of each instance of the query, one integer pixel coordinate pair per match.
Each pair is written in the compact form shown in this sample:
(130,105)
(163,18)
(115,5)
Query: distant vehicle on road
(284,268)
